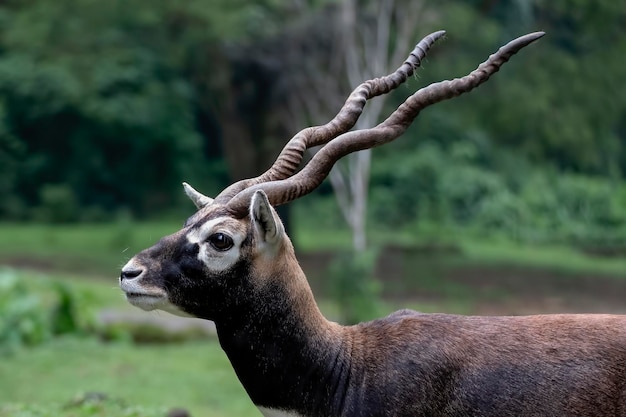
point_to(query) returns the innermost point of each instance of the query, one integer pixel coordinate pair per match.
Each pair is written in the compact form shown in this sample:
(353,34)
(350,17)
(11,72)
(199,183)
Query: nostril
(130,273)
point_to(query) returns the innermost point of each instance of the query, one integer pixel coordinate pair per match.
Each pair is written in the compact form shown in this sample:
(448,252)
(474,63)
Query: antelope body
(233,263)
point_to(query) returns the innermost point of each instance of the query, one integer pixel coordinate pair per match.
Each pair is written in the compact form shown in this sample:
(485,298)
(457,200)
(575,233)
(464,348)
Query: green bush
(502,211)
(23,316)
(58,204)
(495,192)
(29,317)
(353,286)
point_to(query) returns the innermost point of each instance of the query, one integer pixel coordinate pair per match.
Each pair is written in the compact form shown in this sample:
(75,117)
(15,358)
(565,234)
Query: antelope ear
(267,226)
(199,199)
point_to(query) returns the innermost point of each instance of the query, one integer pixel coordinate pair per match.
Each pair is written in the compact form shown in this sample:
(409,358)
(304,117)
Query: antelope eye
(220,241)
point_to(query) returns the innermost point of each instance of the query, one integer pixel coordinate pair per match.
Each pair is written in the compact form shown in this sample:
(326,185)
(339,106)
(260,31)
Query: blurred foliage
(31,316)
(99,97)
(36,309)
(106,106)
(443,184)
(558,103)
(353,286)
(24,319)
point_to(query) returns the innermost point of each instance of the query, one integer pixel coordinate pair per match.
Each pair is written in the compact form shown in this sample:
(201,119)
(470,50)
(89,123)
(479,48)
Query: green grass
(84,405)
(474,250)
(101,249)
(558,258)
(90,249)
(196,376)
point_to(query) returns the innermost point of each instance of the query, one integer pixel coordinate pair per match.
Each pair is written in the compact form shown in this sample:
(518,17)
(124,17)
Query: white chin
(151,302)
(146,302)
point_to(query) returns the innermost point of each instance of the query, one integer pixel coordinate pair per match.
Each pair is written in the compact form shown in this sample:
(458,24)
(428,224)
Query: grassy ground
(470,248)
(196,376)
(90,249)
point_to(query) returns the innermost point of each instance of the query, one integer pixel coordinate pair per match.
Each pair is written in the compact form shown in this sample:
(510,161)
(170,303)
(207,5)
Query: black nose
(130,273)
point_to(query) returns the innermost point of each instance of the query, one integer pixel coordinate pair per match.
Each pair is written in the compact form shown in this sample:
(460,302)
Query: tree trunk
(369,51)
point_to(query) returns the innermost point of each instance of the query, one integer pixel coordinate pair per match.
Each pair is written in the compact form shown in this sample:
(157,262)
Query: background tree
(361,40)
(375,39)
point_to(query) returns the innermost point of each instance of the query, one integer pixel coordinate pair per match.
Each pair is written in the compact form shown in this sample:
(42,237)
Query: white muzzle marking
(146,298)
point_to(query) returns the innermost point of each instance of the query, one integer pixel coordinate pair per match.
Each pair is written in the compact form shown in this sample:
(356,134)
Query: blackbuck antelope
(233,263)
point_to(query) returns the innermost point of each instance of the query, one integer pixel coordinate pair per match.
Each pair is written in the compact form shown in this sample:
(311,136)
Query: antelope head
(235,247)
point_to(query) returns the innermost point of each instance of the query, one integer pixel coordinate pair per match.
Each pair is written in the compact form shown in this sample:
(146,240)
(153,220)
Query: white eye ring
(220,241)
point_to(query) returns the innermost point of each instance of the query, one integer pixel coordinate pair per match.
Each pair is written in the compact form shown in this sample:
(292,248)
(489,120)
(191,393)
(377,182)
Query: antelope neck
(287,355)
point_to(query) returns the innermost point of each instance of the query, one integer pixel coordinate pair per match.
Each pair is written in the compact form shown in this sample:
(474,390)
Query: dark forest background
(106,106)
